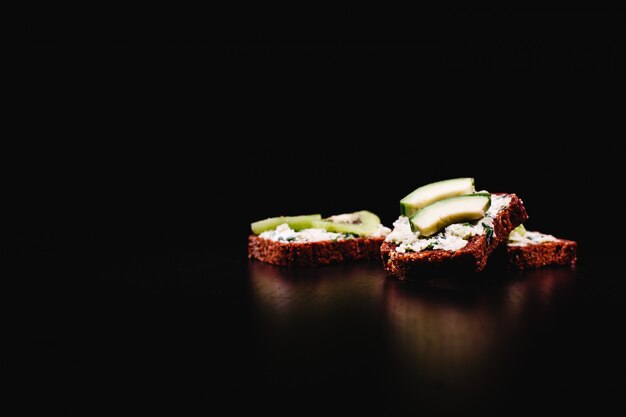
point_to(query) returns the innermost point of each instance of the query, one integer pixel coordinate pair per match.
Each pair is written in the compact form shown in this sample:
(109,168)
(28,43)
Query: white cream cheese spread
(453,237)
(381,231)
(529,238)
(284,233)
(345,218)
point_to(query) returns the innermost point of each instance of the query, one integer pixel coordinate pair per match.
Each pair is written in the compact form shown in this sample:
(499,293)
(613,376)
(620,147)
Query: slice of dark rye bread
(558,253)
(309,254)
(471,258)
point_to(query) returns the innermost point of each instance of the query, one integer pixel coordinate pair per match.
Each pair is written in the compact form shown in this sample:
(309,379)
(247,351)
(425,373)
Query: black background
(142,163)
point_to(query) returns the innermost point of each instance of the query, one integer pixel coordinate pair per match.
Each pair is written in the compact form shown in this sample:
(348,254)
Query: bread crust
(472,258)
(558,253)
(311,254)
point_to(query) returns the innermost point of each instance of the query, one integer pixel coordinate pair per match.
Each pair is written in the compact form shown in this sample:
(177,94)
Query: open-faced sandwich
(448,227)
(310,240)
(528,250)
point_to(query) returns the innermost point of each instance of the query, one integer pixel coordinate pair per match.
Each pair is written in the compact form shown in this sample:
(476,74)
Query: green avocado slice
(436,216)
(430,193)
(295,222)
(360,223)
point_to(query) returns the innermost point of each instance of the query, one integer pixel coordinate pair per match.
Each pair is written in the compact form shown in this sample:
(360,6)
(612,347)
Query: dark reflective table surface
(340,339)
(500,342)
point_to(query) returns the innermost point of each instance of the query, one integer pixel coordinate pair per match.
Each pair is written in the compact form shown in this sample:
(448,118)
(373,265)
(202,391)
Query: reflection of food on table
(437,329)
(314,291)
(318,323)
(539,287)
(458,337)
(435,340)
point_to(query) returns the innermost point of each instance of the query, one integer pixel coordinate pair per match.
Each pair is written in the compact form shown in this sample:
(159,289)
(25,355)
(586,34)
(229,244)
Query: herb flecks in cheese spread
(284,233)
(453,237)
(529,238)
